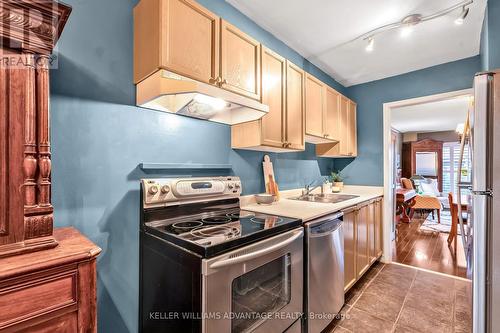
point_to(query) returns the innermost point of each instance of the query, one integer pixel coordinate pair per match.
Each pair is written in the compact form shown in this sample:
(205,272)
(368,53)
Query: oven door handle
(258,253)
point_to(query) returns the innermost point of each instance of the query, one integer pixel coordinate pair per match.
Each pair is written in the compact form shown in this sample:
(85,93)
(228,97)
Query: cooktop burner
(269,220)
(216,219)
(212,234)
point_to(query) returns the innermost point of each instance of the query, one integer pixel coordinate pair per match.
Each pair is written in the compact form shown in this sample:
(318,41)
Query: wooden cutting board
(269,179)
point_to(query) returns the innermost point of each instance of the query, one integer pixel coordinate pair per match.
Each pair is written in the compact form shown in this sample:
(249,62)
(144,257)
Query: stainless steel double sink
(326,198)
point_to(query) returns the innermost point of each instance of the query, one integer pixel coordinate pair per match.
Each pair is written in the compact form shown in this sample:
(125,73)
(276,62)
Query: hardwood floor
(427,249)
(403,299)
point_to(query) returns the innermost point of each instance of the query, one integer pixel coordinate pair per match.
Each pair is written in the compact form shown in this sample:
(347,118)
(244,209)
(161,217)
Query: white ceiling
(438,116)
(315,28)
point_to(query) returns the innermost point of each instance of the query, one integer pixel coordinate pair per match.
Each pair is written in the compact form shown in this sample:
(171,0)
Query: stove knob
(153,189)
(230,186)
(165,189)
(237,185)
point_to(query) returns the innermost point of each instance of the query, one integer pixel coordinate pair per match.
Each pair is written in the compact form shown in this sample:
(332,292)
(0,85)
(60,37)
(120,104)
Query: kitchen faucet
(307,188)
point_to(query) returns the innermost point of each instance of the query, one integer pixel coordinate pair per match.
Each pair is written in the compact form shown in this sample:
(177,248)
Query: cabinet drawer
(40,296)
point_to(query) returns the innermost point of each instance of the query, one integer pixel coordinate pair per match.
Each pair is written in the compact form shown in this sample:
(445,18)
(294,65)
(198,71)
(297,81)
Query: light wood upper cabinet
(285,119)
(240,62)
(177,35)
(332,124)
(343,131)
(315,107)
(187,39)
(273,95)
(353,137)
(344,126)
(295,107)
(322,112)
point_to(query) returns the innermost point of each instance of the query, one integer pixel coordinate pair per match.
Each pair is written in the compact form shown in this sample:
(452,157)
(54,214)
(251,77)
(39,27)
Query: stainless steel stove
(219,268)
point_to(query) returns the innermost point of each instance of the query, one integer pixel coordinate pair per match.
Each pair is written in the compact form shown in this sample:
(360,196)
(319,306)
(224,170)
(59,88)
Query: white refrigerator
(484,203)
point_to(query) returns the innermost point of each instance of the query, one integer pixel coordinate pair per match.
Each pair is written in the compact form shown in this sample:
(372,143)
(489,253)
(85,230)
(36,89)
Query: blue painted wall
(367,168)
(99,137)
(494,34)
(490,37)
(484,44)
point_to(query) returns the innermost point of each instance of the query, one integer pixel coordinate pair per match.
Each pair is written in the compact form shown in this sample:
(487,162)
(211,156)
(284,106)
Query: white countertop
(310,210)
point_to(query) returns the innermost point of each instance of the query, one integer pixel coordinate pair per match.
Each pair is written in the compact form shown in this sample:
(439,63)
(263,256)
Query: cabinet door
(370,219)
(315,90)
(353,145)
(378,227)
(189,39)
(344,126)
(332,114)
(349,229)
(273,95)
(295,129)
(362,260)
(240,62)
(14,100)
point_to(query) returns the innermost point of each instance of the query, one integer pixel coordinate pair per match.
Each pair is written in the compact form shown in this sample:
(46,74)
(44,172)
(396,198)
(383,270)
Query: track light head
(370,45)
(460,20)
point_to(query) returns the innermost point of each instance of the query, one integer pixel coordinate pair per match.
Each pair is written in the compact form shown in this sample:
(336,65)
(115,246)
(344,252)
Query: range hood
(169,92)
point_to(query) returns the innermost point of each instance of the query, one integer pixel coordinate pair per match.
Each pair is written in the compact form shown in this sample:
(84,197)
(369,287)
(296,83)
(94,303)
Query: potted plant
(337,179)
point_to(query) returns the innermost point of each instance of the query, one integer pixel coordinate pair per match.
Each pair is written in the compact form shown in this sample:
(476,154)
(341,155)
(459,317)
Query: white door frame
(388,162)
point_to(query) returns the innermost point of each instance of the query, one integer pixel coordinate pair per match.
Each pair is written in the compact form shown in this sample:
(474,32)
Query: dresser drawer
(29,299)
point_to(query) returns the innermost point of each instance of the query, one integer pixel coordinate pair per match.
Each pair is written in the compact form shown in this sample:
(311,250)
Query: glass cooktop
(211,234)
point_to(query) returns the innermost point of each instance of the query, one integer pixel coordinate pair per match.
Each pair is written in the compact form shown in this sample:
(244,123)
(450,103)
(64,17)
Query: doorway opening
(421,150)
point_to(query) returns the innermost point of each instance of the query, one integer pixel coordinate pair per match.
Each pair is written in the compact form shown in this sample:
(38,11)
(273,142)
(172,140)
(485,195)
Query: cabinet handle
(223,81)
(288,144)
(213,80)
(283,145)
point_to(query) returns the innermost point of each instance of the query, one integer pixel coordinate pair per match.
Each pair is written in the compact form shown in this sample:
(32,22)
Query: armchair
(428,200)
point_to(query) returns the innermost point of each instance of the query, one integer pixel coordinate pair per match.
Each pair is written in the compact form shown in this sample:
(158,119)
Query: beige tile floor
(403,299)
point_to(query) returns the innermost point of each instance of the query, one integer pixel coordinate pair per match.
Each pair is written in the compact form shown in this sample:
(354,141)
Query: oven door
(257,288)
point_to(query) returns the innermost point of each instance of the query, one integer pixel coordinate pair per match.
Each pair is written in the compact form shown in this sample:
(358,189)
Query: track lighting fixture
(408,24)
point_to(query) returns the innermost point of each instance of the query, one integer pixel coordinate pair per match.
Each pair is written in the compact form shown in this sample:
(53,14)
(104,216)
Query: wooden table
(405,199)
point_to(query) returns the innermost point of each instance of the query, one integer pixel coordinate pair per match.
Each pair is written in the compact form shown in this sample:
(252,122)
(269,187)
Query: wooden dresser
(51,290)
(47,275)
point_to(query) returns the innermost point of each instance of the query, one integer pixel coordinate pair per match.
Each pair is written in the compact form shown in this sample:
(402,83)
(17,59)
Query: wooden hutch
(409,158)
(47,275)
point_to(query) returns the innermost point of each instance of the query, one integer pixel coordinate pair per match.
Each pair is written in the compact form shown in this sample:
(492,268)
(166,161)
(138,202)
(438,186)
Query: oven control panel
(169,191)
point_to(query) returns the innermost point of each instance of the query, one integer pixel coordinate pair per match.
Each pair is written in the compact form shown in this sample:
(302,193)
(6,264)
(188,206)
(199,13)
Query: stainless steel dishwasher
(324,288)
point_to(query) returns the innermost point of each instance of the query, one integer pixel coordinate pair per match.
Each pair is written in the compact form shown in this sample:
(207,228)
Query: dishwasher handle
(325,228)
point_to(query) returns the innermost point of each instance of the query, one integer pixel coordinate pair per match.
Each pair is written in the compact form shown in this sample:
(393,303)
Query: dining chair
(454,221)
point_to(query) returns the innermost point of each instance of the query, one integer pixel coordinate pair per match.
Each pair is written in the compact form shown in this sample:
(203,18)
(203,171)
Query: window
(426,164)
(451,156)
